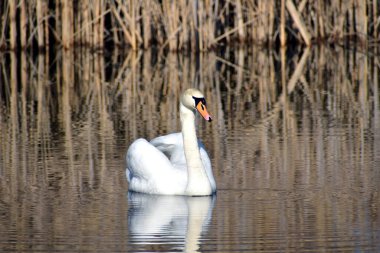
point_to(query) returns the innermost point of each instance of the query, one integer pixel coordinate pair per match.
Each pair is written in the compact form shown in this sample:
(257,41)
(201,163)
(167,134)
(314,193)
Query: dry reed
(185,25)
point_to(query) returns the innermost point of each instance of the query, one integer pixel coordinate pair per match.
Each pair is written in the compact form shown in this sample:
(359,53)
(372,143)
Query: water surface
(295,149)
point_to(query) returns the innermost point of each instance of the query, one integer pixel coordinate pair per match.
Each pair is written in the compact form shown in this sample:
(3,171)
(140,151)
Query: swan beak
(203,111)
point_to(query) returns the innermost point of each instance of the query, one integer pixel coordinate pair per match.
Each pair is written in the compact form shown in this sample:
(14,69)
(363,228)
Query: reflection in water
(175,221)
(295,147)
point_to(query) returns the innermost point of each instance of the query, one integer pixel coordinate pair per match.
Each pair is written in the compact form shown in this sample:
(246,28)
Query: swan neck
(198,183)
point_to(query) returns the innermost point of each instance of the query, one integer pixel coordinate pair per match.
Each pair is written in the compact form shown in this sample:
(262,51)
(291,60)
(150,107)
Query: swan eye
(200,100)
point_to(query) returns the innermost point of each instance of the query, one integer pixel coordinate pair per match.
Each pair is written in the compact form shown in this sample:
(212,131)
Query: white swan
(174,164)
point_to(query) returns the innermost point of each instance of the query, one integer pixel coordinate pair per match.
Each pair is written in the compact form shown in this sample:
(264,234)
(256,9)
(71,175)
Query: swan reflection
(176,222)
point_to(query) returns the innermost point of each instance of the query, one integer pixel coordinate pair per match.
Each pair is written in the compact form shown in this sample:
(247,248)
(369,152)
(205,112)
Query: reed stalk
(375,22)
(361,20)
(98,24)
(147,35)
(67,23)
(199,21)
(23,25)
(40,18)
(12,24)
(239,21)
(262,21)
(282,24)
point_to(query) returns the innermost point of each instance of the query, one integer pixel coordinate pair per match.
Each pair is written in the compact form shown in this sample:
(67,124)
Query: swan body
(174,164)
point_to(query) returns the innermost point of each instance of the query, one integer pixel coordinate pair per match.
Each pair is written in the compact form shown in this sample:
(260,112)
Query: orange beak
(203,111)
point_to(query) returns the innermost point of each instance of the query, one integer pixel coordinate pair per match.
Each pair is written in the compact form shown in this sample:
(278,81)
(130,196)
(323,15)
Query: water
(295,149)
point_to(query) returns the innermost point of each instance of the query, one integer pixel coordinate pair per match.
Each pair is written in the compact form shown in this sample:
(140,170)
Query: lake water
(294,144)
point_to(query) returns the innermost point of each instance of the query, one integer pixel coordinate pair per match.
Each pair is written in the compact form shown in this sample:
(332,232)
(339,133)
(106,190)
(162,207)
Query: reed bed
(185,25)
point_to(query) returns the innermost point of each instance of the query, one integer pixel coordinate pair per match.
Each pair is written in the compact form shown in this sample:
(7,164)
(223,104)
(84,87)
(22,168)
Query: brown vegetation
(184,25)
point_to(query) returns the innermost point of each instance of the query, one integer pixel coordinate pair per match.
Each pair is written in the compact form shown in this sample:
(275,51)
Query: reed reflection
(168,222)
(294,133)
(55,161)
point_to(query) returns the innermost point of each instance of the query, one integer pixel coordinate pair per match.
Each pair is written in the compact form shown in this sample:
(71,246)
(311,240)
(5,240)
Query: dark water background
(295,149)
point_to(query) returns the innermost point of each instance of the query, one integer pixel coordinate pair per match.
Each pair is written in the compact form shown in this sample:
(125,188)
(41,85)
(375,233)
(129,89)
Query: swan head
(194,100)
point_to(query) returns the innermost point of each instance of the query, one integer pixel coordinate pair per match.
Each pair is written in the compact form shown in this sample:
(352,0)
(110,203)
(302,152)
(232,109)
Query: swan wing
(150,171)
(172,146)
